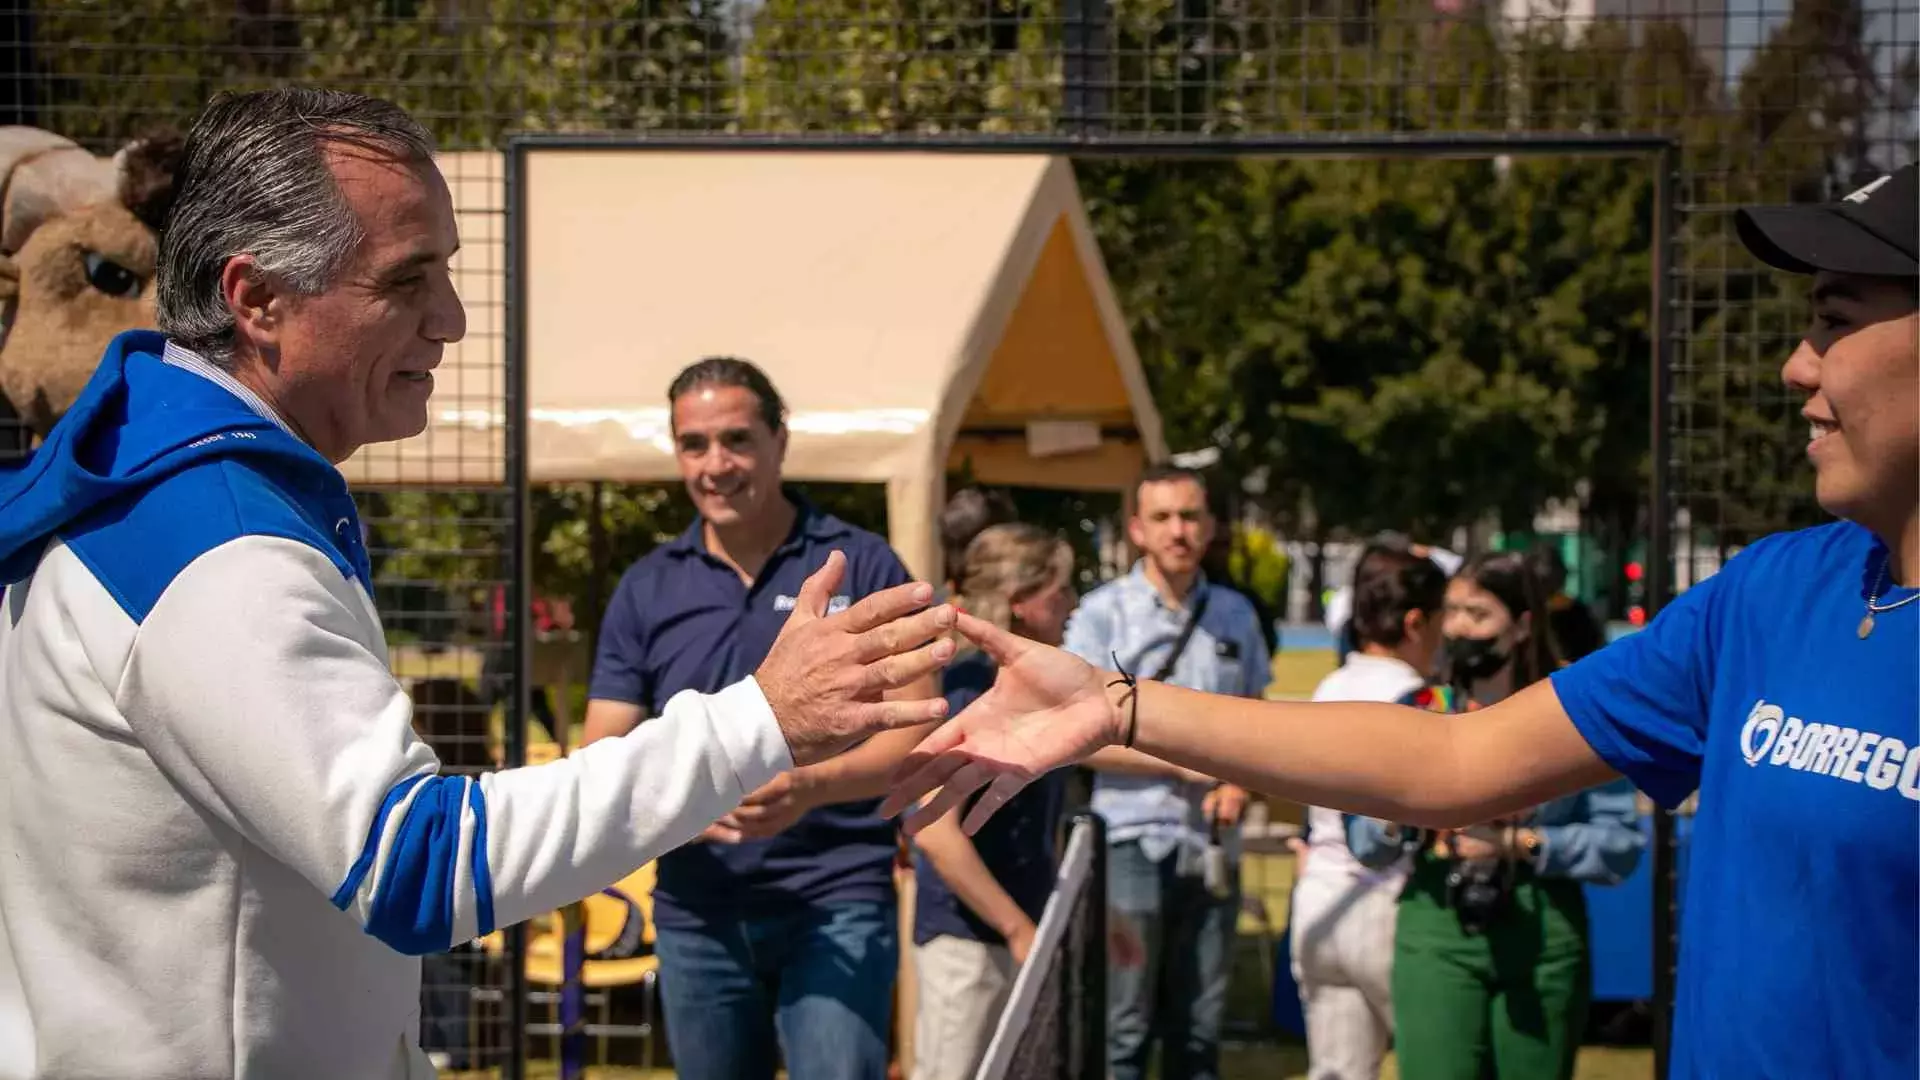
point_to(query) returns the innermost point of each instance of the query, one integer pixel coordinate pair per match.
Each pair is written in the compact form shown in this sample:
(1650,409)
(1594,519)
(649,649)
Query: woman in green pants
(1491,971)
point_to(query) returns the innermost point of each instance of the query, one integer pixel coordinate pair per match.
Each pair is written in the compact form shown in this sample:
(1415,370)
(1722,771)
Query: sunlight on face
(1172,525)
(1473,612)
(729,458)
(1859,368)
(1042,614)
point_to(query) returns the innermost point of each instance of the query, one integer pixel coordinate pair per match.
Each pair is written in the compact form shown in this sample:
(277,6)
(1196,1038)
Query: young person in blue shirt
(777,931)
(1784,689)
(978,900)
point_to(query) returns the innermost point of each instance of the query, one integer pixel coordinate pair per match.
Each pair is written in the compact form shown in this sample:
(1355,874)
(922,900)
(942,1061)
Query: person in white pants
(1343,913)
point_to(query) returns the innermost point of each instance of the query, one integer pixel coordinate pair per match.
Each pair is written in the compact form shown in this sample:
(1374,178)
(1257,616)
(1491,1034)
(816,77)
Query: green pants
(1510,1002)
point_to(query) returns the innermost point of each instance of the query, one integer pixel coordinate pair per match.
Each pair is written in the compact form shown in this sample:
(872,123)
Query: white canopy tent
(917,310)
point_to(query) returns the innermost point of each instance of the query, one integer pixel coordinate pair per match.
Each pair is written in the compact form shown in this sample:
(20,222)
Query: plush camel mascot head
(78,240)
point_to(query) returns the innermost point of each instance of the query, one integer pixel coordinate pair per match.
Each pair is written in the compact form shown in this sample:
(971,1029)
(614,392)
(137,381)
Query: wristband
(1133,698)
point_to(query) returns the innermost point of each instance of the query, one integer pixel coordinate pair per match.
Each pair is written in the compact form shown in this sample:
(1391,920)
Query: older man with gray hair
(222,847)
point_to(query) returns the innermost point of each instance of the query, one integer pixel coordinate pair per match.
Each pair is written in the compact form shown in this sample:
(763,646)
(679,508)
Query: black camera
(1477,891)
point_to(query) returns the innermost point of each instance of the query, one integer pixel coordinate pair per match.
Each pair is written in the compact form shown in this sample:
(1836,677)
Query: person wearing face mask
(1491,969)
(1343,912)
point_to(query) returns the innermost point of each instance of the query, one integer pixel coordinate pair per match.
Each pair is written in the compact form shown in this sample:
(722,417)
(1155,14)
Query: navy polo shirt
(1016,844)
(682,619)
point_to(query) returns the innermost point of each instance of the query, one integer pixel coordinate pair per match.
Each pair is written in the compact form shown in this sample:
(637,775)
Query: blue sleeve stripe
(477,859)
(412,909)
(358,872)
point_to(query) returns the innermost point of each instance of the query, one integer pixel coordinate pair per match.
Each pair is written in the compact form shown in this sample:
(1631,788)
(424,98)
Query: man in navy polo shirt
(779,930)
(1783,689)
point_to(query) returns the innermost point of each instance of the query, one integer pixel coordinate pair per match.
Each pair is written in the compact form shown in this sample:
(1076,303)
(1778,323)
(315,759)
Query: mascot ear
(42,176)
(149,170)
(45,175)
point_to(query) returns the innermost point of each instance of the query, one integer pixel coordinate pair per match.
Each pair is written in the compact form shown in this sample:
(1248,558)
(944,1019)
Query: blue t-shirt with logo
(1017,844)
(1800,912)
(683,620)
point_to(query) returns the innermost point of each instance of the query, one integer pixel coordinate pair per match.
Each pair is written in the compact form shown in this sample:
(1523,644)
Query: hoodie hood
(139,421)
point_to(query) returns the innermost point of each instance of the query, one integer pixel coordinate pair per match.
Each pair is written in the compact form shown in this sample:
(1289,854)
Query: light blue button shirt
(1128,618)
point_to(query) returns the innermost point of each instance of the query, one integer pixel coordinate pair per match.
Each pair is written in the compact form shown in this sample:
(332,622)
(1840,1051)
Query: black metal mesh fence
(1770,99)
(1767,100)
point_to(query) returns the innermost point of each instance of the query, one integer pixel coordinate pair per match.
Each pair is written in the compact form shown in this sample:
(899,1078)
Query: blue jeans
(1180,993)
(816,985)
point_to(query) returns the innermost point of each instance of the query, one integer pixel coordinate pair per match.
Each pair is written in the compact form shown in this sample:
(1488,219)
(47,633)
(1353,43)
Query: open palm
(1047,708)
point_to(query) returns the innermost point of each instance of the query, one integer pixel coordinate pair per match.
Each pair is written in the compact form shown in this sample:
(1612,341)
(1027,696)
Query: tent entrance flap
(915,309)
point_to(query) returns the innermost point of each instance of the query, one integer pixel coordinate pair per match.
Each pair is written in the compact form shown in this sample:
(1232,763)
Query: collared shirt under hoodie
(223,845)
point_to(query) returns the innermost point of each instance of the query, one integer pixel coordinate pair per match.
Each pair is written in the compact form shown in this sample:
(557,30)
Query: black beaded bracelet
(1133,700)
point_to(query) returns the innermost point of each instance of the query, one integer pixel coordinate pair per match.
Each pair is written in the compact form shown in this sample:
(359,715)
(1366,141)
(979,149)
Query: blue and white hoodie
(222,847)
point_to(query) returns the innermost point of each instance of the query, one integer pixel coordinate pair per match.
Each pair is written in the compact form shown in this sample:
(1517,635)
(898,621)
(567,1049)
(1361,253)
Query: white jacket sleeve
(253,685)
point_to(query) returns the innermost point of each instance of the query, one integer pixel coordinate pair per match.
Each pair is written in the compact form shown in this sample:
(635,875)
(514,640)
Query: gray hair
(254,180)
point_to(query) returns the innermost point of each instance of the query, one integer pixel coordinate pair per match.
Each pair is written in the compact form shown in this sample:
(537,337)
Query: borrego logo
(1763,727)
(1878,761)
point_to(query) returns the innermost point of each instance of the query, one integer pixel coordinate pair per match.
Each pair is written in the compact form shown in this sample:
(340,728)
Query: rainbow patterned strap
(1440,699)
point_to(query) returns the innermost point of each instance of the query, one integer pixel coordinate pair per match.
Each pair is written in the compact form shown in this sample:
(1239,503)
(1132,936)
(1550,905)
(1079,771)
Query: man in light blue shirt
(1162,818)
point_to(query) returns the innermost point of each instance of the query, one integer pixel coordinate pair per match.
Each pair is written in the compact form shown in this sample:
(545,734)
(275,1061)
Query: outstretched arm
(1119,759)
(1388,761)
(263,703)
(1049,709)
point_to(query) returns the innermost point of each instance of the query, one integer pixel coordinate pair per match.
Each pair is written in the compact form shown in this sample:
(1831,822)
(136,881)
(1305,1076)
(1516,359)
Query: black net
(442,567)
(1038,1052)
(1057,1029)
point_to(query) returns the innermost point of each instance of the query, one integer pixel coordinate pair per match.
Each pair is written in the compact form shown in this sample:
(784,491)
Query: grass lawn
(1297,671)
(1253,1062)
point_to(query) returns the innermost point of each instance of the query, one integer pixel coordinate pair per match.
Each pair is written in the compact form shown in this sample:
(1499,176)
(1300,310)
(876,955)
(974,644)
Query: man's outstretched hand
(825,674)
(1047,708)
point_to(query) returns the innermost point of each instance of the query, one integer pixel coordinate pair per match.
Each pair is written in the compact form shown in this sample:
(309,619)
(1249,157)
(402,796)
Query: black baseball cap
(1874,231)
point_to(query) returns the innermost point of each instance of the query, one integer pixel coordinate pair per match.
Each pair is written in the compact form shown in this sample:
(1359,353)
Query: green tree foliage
(1422,345)
(1818,111)
(97,90)
(477,70)
(472,70)
(1399,344)
(874,68)
(1416,344)
(1260,565)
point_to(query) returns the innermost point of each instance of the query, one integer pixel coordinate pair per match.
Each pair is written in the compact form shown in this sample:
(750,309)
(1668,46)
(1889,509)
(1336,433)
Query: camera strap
(1194,613)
